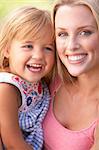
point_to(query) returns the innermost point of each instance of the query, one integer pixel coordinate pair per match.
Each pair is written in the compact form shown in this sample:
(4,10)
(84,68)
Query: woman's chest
(75,112)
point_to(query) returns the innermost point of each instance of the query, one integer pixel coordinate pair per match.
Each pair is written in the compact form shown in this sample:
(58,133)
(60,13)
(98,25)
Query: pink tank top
(57,137)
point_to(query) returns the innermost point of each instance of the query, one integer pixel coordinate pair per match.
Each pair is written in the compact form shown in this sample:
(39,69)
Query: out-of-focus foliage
(8,5)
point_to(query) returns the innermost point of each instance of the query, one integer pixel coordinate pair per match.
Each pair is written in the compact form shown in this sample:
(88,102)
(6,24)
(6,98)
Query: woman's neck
(88,83)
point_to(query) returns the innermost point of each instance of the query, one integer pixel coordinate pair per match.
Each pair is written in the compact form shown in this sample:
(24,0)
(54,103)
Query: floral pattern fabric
(35,103)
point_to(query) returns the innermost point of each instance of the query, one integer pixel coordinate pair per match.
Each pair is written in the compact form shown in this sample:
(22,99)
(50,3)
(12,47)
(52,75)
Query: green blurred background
(8,5)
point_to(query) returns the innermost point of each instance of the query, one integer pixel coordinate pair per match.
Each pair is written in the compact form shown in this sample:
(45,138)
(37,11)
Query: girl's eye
(85,33)
(49,48)
(28,46)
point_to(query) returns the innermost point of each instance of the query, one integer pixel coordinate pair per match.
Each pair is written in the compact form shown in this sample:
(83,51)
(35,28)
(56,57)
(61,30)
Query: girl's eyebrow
(27,41)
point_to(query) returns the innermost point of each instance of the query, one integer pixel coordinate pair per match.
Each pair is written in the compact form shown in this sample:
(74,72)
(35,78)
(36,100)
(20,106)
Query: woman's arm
(9,126)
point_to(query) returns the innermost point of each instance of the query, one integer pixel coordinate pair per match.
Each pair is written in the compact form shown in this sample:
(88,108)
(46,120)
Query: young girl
(73,117)
(26,57)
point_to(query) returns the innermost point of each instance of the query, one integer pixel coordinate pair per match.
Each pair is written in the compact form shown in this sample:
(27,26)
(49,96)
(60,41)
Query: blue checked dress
(35,102)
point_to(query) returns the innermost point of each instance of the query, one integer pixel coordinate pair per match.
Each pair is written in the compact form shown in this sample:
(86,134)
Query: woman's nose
(72,44)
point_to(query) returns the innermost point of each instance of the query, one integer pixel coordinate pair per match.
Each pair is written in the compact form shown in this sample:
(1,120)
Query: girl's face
(32,60)
(77,39)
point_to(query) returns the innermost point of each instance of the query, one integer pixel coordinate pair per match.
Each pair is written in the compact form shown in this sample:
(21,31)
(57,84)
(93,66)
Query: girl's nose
(37,53)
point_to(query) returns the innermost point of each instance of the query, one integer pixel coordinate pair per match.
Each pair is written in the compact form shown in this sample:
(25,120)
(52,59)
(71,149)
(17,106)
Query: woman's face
(77,39)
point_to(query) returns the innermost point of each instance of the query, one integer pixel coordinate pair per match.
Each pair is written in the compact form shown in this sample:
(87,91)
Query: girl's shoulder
(10,78)
(19,83)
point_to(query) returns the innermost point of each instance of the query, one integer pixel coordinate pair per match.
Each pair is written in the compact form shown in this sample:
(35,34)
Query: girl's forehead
(42,36)
(33,30)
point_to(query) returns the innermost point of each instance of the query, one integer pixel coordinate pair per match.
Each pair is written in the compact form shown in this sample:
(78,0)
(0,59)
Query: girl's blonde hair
(25,22)
(93,5)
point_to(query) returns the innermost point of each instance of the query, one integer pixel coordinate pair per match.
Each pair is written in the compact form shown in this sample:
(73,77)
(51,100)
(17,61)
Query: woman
(73,115)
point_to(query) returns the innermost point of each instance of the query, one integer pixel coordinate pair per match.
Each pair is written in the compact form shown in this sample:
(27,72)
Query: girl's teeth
(35,65)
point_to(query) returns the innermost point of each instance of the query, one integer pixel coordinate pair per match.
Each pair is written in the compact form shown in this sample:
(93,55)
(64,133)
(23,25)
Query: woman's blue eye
(86,33)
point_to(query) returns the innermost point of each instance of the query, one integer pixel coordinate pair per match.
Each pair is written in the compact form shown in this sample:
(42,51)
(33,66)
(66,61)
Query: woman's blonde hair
(22,23)
(93,5)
